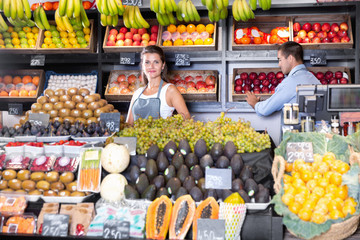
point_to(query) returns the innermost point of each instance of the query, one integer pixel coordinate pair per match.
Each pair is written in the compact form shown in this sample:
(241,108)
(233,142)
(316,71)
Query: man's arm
(251,99)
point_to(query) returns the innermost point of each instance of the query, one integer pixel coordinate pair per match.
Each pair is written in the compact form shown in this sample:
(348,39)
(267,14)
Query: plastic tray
(32,198)
(73,150)
(49,199)
(25,138)
(18,149)
(54,149)
(7,139)
(90,139)
(257,206)
(33,150)
(53,139)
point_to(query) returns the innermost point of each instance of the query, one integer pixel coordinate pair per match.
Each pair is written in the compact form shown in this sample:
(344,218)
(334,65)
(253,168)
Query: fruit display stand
(344,79)
(264,24)
(112,49)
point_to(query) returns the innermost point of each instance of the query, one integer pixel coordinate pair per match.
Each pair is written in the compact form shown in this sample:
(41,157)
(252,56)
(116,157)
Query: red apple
(120,36)
(326,27)
(253,75)
(279,75)
(152,42)
(180,82)
(343,80)
(345,39)
(142,31)
(311,34)
(244,75)
(336,39)
(272,88)
(136,43)
(199,78)
(262,76)
(129,35)
(265,82)
(154,29)
(306,40)
(200,84)
(210,88)
(322,35)
(136,37)
(238,88)
(123,85)
(344,26)
(239,82)
(153,37)
(265,89)
(274,82)
(325,40)
(319,75)
(312,73)
(144,43)
(256,89)
(331,34)
(189,78)
(316,40)
(333,81)
(248,82)
(128,42)
(296,27)
(335,27)
(247,88)
(120,43)
(338,74)
(113,32)
(133,30)
(280,80)
(177,77)
(131,79)
(121,78)
(112,37)
(210,80)
(342,33)
(297,39)
(307,27)
(123,30)
(329,75)
(302,34)
(145,36)
(110,43)
(316,27)
(324,81)
(190,84)
(257,82)
(270,75)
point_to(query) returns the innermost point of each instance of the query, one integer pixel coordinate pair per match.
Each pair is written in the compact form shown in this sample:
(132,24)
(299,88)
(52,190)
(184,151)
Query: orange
(323,167)
(181,28)
(188,42)
(300,198)
(35,80)
(55,5)
(329,156)
(13,93)
(343,168)
(311,184)
(114,90)
(318,217)
(347,209)
(297,182)
(178,42)
(26,79)
(291,190)
(335,214)
(167,43)
(288,167)
(245,40)
(7,79)
(350,201)
(305,214)
(210,28)
(32,93)
(287,199)
(257,40)
(16,80)
(200,28)
(319,191)
(4,93)
(306,175)
(273,39)
(287,178)
(87,5)
(334,205)
(190,28)
(24,93)
(342,192)
(199,41)
(309,204)
(323,182)
(171,28)
(331,188)
(208,41)
(48,6)
(10,29)
(295,207)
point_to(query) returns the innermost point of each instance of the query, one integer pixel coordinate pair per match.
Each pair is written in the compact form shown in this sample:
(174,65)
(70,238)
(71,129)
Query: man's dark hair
(292,48)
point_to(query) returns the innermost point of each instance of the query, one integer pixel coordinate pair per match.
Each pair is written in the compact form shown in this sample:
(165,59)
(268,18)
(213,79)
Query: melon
(112,187)
(115,158)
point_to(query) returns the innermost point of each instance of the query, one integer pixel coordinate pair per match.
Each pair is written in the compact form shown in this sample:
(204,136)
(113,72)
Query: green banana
(29,22)
(77,8)
(115,20)
(162,6)
(247,9)
(109,20)
(59,21)
(105,7)
(216,14)
(166,19)
(252,4)
(223,13)
(160,20)
(171,18)
(27,9)
(178,13)
(1,5)
(211,16)
(126,17)
(132,16)
(203,2)
(99,6)
(70,8)
(174,6)
(189,10)
(19,9)
(103,20)
(6,8)
(111,12)
(67,24)
(37,19)
(241,11)
(168,6)
(14,22)
(43,18)
(235,11)
(13,9)
(62,7)
(156,5)
(210,4)
(3,23)
(140,18)
(195,13)
(84,18)
(225,3)
(268,4)
(219,4)
(184,12)
(120,7)
(114,7)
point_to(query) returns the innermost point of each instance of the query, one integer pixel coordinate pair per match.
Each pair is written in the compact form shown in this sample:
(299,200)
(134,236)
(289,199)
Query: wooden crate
(128,48)
(332,69)
(189,48)
(88,49)
(326,18)
(21,73)
(264,24)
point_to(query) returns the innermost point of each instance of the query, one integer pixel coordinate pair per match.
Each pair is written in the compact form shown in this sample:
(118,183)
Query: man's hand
(252,99)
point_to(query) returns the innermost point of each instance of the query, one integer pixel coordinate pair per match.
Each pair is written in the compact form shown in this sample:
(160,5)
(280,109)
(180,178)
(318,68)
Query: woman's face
(152,65)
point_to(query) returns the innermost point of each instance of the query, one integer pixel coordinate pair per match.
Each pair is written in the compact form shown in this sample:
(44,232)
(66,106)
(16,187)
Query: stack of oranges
(315,192)
(17,86)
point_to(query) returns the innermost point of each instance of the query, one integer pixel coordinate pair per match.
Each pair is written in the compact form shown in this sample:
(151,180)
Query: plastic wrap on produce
(234,215)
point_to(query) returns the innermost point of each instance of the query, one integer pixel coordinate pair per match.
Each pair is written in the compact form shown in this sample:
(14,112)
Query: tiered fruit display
(126,83)
(19,37)
(122,36)
(253,35)
(110,11)
(257,82)
(19,86)
(193,83)
(317,33)
(218,9)
(188,35)
(330,77)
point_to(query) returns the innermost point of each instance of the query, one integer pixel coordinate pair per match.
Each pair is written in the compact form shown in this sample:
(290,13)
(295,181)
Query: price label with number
(39,119)
(210,229)
(37,60)
(182,59)
(111,120)
(129,142)
(127,58)
(302,150)
(218,178)
(15,109)
(55,225)
(132,2)
(115,229)
(318,59)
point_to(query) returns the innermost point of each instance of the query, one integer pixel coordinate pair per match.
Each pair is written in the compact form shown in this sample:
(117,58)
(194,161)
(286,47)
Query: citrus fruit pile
(17,37)
(22,86)
(315,192)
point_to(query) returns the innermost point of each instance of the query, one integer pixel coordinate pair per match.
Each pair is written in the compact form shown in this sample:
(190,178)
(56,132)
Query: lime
(77,28)
(76,45)
(52,45)
(72,35)
(55,33)
(56,40)
(6,35)
(47,34)
(44,45)
(17,29)
(24,45)
(72,21)
(7,41)
(52,28)
(81,40)
(23,41)
(65,40)
(80,34)
(22,34)
(17,46)
(83,45)
(48,40)
(68,45)
(9,45)
(59,45)
(72,41)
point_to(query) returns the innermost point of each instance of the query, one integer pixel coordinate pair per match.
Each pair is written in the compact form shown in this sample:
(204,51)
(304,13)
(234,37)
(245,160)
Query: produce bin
(345,70)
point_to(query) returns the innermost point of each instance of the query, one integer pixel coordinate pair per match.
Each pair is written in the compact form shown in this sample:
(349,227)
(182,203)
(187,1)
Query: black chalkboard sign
(15,109)
(37,60)
(302,150)
(112,121)
(182,59)
(132,2)
(55,225)
(115,229)
(39,119)
(318,59)
(210,229)
(127,58)
(218,178)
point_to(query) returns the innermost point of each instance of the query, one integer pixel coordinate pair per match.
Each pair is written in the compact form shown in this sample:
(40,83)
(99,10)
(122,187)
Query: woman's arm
(130,117)
(176,100)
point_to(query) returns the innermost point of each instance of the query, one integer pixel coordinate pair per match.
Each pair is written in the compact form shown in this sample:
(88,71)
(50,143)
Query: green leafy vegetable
(351,179)
(354,140)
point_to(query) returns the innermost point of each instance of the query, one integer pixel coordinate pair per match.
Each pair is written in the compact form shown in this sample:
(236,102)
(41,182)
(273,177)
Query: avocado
(169,172)
(246,173)
(130,192)
(149,193)
(141,162)
(225,194)
(236,164)
(184,147)
(152,152)
(229,149)
(162,162)
(181,192)
(244,196)
(206,161)
(191,160)
(222,162)
(201,185)
(211,193)
(263,195)
(182,173)
(177,160)
(189,183)
(134,173)
(142,183)
(200,148)
(159,181)
(237,184)
(170,149)
(151,169)
(196,194)
(173,185)
(196,172)
(251,187)
(216,151)
(162,191)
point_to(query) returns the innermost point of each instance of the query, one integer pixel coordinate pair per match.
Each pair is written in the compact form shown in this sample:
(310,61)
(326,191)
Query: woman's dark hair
(160,52)
(292,48)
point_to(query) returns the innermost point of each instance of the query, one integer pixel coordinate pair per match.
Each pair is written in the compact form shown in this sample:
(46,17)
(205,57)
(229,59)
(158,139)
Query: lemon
(234,198)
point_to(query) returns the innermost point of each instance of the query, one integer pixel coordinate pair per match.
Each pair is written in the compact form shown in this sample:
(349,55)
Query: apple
(128,42)
(307,27)
(316,27)
(312,73)
(345,39)
(210,88)
(253,75)
(129,35)
(311,34)
(136,37)
(121,78)
(189,79)
(142,31)
(145,36)
(153,37)
(154,29)
(136,43)
(302,34)
(296,27)
(325,40)
(133,30)
(152,42)
(144,43)
(333,81)
(270,75)
(113,32)
(247,88)
(180,82)
(316,40)
(265,89)
(200,84)
(297,39)
(112,37)
(244,75)
(238,89)
(248,82)
(323,81)
(279,75)
(334,27)
(177,77)
(331,34)
(344,26)
(120,43)
(319,75)
(272,88)
(262,76)
(343,80)
(110,43)
(199,78)
(123,30)
(191,90)
(238,82)
(306,40)
(326,27)
(256,89)
(342,33)
(120,36)
(329,75)
(322,35)
(210,80)
(123,85)
(280,80)
(336,39)
(257,82)
(190,84)
(265,83)
(274,82)
(338,74)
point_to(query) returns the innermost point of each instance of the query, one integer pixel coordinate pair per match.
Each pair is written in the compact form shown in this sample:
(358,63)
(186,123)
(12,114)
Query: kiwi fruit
(50,193)
(53,99)
(42,100)
(47,107)
(9,174)
(52,176)
(58,105)
(28,185)
(3,184)
(83,92)
(23,175)
(37,176)
(49,92)
(77,194)
(43,185)
(14,184)
(35,107)
(60,92)
(72,187)
(34,192)
(77,98)
(7,190)
(72,91)
(57,186)
(67,177)
(69,104)
(64,193)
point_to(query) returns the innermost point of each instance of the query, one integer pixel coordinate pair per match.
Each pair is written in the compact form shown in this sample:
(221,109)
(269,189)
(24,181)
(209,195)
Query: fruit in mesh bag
(234,198)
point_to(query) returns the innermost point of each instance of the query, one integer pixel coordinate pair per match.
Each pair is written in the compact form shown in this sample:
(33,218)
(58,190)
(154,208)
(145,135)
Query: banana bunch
(110,11)
(242,11)
(163,10)
(40,18)
(18,13)
(264,4)
(133,18)
(71,11)
(3,26)
(187,12)
(217,9)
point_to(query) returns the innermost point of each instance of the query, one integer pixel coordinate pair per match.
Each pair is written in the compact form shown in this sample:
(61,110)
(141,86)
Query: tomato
(55,5)
(34,6)
(87,5)
(48,6)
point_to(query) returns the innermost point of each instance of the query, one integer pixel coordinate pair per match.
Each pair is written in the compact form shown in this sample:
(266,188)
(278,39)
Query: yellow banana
(178,13)
(115,20)
(156,5)
(77,8)
(59,21)
(70,8)
(1,5)
(37,18)
(241,11)
(162,7)
(151,5)
(84,19)
(19,9)
(175,7)
(109,20)
(168,6)
(261,5)
(247,9)
(235,11)
(114,7)
(225,3)
(160,19)
(43,18)
(126,17)
(219,4)
(252,4)
(67,24)
(13,22)
(166,19)
(137,23)
(111,12)
(3,23)
(13,9)
(140,18)
(62,7)
(103,20)
(99,6)
(27,9)
(184,12)
(132,16)
(6,8)
(268,4)
(210,4)
(195,13)
(189,10)
(105,7)
(120,6)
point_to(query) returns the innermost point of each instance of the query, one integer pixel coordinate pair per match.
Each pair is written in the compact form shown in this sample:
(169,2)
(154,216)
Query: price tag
(218,178)
(127,58)
(55,225)
(37,60)
(210,229)
(112,121)
(15,109)
(132,2)
(39,119)
(115,229)
(182,59)
(302,150)
(318,59)
(129,142)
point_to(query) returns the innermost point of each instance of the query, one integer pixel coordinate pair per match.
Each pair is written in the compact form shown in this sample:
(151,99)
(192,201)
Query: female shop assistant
(158,98)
